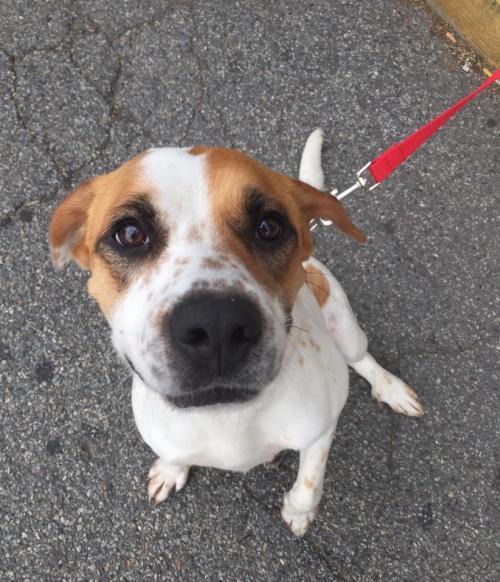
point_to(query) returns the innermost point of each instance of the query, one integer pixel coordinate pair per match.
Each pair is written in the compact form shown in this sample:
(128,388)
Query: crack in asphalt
(22,122)
(110,97)
(203,65)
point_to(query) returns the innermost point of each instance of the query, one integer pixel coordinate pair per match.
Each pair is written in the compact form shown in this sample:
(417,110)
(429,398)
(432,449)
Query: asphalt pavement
(84,86)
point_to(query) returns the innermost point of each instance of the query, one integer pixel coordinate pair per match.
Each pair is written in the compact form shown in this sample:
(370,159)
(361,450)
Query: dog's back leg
(351,340)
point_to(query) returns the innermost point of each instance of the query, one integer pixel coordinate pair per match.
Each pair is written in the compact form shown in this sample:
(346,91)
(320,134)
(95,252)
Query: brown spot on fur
(194,234)
(308,484)
(388,378)
(181,261)
(210,263)
(318,284)
(315,345)
(301,360)
(148,272)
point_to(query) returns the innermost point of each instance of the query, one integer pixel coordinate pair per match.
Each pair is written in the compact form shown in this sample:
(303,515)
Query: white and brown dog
(238,339)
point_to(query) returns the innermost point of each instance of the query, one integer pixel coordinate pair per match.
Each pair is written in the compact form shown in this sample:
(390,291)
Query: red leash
(387,162)
(383,165)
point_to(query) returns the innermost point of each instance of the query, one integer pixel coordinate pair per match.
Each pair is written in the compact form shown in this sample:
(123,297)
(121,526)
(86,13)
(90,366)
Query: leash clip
(361,182)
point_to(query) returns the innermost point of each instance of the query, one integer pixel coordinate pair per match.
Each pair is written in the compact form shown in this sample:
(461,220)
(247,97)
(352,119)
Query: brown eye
(269,228)
(130,235)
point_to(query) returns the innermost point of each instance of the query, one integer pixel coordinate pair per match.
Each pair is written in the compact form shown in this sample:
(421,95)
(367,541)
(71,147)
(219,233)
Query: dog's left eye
(128,234)
(270,227)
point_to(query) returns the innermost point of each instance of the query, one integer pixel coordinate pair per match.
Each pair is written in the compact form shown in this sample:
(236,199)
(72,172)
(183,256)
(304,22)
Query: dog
(239,341)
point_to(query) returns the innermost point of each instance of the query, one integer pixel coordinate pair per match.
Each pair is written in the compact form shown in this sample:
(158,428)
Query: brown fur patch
(308,484)
(103,286)
(318,284)
(230,176)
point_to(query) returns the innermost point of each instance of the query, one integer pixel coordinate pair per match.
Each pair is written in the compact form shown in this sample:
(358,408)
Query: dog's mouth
(211,396)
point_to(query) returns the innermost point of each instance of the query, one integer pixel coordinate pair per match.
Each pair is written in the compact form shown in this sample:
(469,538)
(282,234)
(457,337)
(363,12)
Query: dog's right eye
(129,235)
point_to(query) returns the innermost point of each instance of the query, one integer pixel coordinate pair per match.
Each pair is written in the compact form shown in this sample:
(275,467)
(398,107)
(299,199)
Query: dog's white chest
(291,413)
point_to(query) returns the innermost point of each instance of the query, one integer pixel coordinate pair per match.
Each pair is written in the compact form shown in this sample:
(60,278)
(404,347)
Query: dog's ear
(68,225)
(316,204)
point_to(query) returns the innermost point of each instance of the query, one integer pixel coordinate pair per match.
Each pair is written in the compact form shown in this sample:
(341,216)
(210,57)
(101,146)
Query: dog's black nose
(215,331)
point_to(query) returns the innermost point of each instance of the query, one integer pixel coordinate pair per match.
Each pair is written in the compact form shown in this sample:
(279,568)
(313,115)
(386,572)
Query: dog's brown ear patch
(316,204)
(67,228)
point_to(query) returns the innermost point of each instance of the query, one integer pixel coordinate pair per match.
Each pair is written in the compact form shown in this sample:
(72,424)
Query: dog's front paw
(398,395)
(298,520)
(163,478)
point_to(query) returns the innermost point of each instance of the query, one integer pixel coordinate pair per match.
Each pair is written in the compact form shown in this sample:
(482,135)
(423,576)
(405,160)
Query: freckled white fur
(180,191)
(298,410)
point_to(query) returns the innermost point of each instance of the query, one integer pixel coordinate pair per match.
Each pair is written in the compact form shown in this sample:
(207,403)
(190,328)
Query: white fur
(298,410)
(178,179)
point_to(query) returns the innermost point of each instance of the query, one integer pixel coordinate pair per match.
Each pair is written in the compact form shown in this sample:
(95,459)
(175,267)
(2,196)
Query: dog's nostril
(242,334)
(196,336)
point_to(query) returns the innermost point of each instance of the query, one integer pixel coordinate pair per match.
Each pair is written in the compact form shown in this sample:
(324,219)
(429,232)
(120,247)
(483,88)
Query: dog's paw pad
(163,479)
(398,395)
(298,521)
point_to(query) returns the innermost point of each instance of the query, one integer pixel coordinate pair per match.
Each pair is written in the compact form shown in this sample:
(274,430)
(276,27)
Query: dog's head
(196,261)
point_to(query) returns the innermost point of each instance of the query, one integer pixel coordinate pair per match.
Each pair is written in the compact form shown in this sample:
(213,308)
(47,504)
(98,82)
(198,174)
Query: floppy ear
(67,228)
(316,204)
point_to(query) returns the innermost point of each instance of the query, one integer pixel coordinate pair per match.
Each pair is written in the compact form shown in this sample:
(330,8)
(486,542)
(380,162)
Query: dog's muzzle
(212,337)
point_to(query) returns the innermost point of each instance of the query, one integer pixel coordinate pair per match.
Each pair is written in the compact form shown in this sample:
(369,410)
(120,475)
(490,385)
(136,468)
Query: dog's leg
(163,478)
(351,340)
(300,504)
(388,388)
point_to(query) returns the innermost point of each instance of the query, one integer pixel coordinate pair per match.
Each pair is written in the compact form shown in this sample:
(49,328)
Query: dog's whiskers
(325,291)
(299,328)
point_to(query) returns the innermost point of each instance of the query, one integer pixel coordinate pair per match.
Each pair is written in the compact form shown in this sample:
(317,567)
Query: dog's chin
(212,396)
